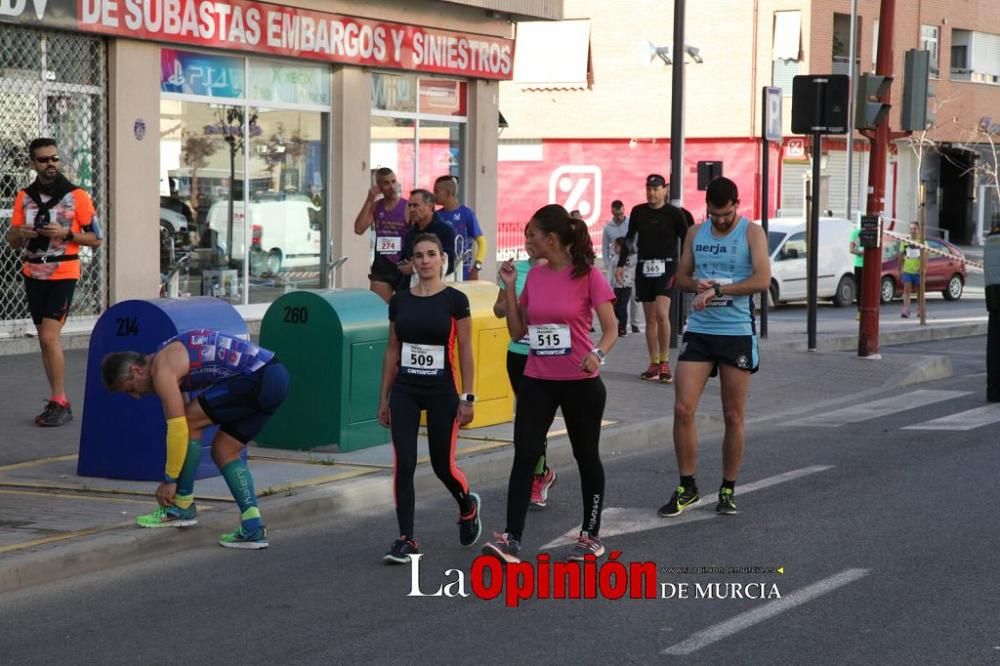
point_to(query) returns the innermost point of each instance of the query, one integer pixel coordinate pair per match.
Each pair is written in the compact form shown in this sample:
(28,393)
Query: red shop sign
(260,27)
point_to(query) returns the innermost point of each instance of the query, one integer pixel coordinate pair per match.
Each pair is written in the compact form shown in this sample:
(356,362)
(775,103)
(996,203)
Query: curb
(850,342)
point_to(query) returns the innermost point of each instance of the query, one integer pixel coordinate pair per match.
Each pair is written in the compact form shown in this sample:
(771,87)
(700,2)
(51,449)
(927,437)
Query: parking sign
(772,114)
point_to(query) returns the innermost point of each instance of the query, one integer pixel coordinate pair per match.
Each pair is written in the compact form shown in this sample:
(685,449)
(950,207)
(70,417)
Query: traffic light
(917,114)
(869,111)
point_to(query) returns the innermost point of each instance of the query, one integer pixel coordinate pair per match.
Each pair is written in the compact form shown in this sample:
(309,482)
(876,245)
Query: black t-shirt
(444,231)
(659,230)
(426,328)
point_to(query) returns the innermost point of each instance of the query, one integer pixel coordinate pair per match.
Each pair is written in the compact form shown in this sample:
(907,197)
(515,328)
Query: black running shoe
(726,505)
(400,551)
(682,499)
(55,415)
(469,525)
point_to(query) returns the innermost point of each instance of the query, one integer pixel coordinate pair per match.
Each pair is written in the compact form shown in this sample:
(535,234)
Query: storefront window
(287,210)
(243,176)
(418,128)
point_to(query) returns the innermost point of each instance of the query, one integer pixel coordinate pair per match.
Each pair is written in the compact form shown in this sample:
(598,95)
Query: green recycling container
(332,342)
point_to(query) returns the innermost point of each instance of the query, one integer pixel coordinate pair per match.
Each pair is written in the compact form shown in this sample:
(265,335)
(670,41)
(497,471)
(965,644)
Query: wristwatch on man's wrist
(718,290)
(468,397)
(478,265)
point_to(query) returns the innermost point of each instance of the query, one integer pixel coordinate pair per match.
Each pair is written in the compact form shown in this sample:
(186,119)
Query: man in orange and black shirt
(52,218)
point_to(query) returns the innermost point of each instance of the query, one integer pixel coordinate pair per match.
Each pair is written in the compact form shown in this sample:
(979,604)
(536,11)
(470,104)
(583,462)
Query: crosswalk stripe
(877,408)
(755,616)
(962,421)
(622,520)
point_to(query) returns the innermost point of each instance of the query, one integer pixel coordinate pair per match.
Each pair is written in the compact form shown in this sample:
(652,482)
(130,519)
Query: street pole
(677,149)
(766,171)
(922,289)
(812,259)
(852,73)
(868,330)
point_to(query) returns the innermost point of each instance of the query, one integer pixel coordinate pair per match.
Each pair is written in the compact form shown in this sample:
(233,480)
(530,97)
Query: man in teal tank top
(725,262)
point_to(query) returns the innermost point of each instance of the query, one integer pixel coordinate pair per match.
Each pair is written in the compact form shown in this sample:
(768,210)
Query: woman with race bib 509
(428,323)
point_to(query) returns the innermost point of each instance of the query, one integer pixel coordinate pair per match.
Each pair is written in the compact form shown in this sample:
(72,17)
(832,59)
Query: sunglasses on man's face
(45,160)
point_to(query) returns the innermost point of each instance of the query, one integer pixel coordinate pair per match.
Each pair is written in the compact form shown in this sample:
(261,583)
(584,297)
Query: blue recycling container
(122,438)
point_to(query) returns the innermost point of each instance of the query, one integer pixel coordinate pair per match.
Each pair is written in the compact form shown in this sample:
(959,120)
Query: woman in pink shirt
(555,311)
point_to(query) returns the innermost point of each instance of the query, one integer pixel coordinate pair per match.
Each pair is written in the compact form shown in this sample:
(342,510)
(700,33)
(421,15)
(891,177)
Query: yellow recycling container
(494,396)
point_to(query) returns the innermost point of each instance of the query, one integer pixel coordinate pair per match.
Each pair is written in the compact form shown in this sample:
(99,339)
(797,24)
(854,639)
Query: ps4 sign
(201,74)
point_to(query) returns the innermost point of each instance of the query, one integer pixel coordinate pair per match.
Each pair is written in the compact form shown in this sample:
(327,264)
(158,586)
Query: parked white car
(287,232)
(786,240)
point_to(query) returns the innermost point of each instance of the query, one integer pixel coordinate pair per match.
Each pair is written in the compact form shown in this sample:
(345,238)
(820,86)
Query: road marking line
(969,420)
(748,619)
(877,408)
(37,462)
(625,520)
(74,496)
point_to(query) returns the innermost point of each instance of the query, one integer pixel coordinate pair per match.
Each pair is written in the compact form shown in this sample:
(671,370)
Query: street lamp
(668,54)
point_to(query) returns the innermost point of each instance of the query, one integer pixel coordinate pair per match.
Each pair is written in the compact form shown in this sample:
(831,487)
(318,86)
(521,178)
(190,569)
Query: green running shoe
(726,505)
(243,541)
(169,516)
(679,501)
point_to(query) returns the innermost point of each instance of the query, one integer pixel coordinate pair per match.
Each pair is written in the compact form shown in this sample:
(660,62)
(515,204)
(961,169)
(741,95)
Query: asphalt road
(886,536)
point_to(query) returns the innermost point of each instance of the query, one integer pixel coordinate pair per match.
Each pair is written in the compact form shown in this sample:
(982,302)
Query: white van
(786,241)
(285,233)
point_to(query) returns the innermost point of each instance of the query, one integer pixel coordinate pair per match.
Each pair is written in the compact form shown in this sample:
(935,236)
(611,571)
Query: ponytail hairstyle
(572,233)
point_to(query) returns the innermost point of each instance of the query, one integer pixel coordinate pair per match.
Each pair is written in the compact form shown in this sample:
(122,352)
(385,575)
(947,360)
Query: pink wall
(589,175)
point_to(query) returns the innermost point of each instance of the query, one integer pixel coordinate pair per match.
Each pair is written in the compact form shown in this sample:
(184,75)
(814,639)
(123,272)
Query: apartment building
(588,110)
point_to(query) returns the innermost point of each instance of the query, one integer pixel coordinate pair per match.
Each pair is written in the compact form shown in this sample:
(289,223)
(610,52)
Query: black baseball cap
(655,180)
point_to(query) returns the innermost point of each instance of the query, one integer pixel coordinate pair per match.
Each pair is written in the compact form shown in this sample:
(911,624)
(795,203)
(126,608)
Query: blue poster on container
(201,74)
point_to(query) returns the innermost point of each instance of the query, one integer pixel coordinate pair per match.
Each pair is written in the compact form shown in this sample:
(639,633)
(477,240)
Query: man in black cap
(655,230)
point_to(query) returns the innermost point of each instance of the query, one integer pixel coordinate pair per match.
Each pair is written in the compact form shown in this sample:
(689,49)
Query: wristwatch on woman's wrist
(599,353)
(468,398)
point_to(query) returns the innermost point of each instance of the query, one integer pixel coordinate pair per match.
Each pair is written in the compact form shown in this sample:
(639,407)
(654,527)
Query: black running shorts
(739,351)
(648,288)
(49,299)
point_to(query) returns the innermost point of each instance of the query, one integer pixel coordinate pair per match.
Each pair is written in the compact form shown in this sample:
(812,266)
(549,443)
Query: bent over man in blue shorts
(243,386)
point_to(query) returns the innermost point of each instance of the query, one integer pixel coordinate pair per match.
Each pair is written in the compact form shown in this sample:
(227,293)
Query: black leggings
(515,371)
(582,403)
(442,435)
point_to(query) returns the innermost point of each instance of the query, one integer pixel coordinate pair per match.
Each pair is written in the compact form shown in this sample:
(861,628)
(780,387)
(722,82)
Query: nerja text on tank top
(725,260)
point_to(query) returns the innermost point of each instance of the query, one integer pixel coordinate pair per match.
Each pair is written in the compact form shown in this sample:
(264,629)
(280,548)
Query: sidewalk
(54,524)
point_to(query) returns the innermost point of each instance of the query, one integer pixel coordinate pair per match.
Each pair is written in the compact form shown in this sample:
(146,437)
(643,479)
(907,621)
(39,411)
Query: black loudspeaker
(820,101)
(707,172)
